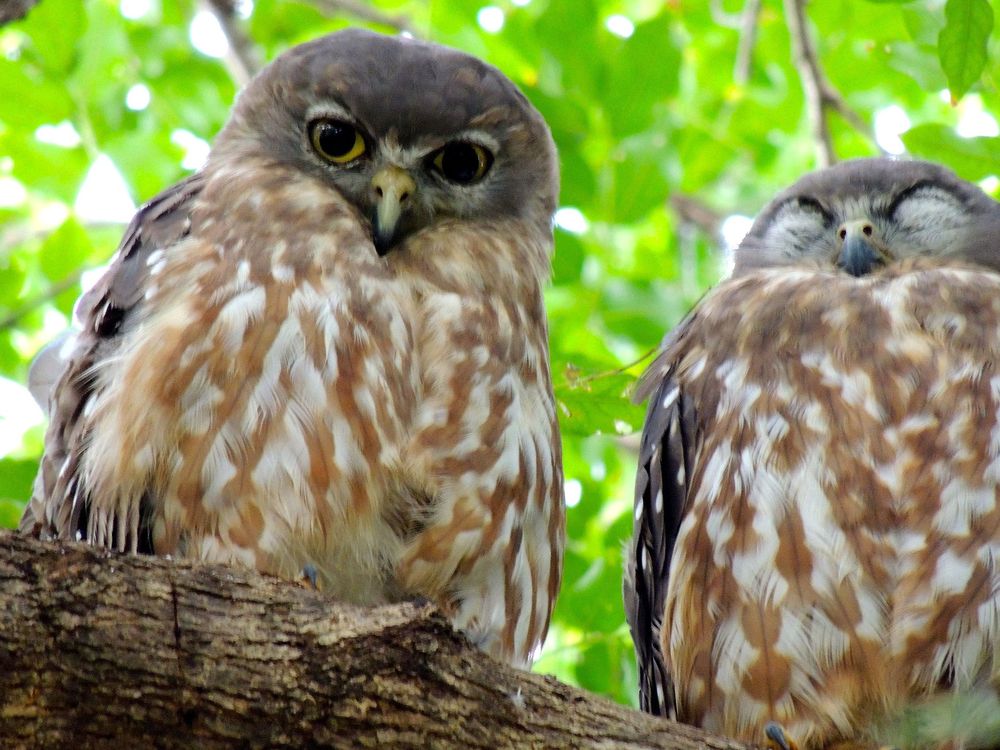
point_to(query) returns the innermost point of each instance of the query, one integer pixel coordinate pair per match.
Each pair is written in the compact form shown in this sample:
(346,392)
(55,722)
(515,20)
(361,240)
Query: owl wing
(59,502)
(666,456)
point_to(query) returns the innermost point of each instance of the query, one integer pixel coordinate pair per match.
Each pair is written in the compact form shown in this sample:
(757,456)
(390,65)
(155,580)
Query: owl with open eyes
(817,508)
(327,350)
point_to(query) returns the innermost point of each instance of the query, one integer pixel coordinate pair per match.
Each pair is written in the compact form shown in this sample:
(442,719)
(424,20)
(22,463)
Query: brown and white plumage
(817,519)
(302,359)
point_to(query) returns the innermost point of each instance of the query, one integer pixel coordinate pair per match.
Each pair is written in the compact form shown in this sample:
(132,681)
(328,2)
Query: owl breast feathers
(817,517)
(327,348)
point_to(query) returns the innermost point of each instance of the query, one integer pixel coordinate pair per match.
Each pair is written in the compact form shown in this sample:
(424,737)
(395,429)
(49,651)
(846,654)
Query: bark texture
(112,651)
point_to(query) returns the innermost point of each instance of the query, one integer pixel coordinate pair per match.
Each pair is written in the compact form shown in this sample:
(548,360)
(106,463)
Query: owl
(327,349)
(817,508)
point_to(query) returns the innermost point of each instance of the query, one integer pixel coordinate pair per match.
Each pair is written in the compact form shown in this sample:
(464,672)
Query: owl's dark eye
(462,162)
(336,140)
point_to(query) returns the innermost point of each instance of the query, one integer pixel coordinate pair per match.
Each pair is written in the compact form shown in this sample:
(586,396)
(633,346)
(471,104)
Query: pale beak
(393,188)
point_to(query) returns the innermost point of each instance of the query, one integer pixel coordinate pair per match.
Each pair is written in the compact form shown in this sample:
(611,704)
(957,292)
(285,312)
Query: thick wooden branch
(113,651)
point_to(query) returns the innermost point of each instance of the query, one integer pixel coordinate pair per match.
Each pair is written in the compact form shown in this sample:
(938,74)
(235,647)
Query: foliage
(662,130)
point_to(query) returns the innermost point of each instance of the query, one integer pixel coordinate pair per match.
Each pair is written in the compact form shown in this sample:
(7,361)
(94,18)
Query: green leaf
(600,404)
(568,260)
(10,513)
(12,276)
(48,170)
(65,250)
(16,478)
(54,29)
(972,158)
(644,73)
(29,99)
(962,43)
(640,186)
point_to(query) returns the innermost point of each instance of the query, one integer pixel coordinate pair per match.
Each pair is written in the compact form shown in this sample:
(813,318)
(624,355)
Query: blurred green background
(675,123)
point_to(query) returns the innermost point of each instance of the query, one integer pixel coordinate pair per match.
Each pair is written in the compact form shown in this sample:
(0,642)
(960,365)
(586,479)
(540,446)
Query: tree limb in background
(364,12)
(243,59)
(14,10)
(690,210)
(111,651)
(721,16)
(819,92)
(46,295)
(748,40)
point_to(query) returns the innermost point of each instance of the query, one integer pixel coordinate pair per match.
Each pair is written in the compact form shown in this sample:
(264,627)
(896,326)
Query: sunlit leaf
(972,158)
(65,250)
(962,43)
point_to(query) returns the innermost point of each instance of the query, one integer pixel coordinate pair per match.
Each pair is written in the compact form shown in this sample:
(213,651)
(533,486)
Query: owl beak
(858,253)
(393,188)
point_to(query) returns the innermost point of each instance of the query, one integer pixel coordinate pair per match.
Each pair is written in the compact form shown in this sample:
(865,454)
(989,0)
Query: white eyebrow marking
(333,110)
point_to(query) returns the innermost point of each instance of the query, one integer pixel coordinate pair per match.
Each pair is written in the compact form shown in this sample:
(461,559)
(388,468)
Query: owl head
(410,133)
(860,216)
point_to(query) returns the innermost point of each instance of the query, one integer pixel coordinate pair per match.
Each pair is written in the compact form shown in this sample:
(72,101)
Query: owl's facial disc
(393,188)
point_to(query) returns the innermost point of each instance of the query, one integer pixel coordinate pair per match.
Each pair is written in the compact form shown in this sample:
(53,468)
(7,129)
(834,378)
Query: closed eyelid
(915,188)
(805,202)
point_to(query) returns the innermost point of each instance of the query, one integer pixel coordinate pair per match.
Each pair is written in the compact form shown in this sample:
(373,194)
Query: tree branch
(363,12)
(243,59)
(110,651)
(748,40)
(15,10)
(46,295)
(692,211)
(819,93)
(811,76)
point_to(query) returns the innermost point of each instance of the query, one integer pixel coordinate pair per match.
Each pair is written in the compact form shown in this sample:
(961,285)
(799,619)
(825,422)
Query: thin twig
(819,92)
(582,380)
(364,12)
(748,40)
(811,76)
(243,59)
(690,210)
(46,295)
(22,232)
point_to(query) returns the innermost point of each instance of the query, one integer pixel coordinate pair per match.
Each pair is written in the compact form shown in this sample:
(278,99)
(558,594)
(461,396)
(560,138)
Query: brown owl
(327,348)
(817,517)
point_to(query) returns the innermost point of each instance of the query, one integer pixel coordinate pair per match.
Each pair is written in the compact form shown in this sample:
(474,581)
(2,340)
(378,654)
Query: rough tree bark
(113,651)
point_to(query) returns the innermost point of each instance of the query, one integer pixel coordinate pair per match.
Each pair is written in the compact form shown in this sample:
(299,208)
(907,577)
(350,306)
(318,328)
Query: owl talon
(777,738)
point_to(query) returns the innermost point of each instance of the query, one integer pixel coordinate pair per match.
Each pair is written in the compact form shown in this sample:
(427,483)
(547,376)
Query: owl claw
(310,577)
(777,739)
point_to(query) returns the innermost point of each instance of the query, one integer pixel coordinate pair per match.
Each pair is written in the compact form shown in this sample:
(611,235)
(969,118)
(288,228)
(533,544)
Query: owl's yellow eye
(462,162)
(336,140)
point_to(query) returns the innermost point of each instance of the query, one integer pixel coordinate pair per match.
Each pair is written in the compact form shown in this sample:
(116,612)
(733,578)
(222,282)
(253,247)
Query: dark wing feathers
(58,506)
(666,456)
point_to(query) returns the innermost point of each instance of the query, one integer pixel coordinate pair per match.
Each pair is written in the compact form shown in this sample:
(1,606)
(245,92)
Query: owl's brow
(804,201)
(331,108)
(916,187)
(479,137)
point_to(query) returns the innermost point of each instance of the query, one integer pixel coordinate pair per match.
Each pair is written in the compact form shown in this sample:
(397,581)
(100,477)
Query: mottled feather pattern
(257,385)
(158,224)
(834,556)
